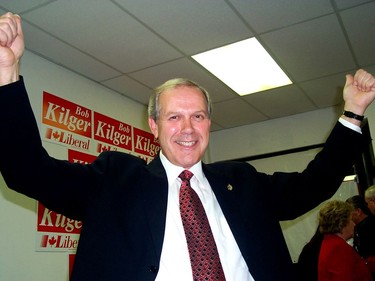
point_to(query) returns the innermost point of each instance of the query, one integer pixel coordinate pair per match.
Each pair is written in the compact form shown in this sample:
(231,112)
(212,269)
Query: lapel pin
(229,187)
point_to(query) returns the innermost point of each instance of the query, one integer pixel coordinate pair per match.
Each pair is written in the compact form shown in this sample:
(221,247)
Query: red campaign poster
(65,115)
(145,143)
(50,221)
(112,132)
(55,232)
(66,123)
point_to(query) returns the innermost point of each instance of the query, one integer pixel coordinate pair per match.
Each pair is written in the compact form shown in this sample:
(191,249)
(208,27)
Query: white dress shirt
(350,125)
(175,261)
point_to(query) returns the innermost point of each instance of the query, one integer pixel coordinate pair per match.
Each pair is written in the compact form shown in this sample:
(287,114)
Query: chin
(188,164)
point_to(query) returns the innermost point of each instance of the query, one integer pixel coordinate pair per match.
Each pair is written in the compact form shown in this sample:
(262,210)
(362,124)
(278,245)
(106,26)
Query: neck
(340,235)
(345,237)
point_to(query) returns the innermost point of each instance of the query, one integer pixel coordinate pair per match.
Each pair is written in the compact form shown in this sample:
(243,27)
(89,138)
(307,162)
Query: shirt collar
(174,171)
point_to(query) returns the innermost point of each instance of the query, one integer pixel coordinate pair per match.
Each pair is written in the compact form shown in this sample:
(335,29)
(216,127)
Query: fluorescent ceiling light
(245,66)
(350,178)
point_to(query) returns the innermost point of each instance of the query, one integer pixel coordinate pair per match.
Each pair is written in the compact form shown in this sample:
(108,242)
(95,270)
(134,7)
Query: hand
(359,92)
(11,47)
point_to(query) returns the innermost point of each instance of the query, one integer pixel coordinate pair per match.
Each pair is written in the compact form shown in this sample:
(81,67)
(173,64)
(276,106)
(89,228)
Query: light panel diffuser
(245,66)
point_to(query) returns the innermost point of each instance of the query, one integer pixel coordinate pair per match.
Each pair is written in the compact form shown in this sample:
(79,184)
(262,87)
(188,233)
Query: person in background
(132,226)
(338,261)
(364,231)
(370,198)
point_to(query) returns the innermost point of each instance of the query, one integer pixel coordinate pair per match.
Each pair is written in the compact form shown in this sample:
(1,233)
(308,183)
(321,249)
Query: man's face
(183,126)
(355,216)
(371,205)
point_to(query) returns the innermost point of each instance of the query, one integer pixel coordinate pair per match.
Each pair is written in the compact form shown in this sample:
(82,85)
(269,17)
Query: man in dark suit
(364,231)
(132,228)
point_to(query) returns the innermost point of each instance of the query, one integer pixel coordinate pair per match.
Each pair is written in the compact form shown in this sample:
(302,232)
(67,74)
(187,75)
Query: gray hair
(154,105)
(370,192)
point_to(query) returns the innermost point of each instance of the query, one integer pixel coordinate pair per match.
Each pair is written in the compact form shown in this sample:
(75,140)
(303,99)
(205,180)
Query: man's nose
(187,124)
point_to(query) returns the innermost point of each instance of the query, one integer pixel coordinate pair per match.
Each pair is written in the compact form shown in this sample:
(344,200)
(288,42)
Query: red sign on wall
(66,115)
(145,143)
(112,131)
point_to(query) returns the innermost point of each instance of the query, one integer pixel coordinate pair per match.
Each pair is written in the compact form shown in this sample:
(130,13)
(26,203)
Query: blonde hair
(334,216)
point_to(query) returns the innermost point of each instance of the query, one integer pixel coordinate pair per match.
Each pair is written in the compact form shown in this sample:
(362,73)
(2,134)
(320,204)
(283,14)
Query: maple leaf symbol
(56,135)
(52,240)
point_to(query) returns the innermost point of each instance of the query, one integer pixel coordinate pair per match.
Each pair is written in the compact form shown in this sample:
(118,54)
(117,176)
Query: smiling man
(142,213)
(182,121)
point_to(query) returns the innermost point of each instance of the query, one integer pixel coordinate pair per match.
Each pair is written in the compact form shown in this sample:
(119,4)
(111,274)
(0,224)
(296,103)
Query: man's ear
(153,126)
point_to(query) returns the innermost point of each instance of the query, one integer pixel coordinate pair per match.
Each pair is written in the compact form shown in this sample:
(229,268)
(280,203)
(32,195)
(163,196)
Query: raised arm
(11,47)
(359,93)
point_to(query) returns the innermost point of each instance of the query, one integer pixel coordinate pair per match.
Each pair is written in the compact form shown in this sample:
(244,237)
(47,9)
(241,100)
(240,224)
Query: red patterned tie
(204,257)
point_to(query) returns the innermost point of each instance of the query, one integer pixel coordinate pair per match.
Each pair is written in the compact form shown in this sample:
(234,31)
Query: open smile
(186,143)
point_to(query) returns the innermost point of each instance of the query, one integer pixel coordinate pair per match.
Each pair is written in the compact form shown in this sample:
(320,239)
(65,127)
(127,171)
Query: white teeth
(187,143)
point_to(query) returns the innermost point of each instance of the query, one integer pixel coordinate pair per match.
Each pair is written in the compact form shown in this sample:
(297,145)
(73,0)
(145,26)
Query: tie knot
(186,175)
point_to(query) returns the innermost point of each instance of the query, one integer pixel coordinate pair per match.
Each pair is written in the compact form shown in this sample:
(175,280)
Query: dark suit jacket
(365,237)
(122,200)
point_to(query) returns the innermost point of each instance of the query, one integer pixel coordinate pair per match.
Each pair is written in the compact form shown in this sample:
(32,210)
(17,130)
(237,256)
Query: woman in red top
(338,261)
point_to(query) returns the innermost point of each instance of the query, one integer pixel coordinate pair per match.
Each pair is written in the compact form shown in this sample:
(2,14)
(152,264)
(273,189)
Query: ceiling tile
(326,91)
(77,22)
(191,26)
(184,68)
(370,68)
(21,6)
(312,49)
(282,101)
(359,23)
(65,55)
(264,16)
(234,113)
(129,88)
(215,127)
(343,4)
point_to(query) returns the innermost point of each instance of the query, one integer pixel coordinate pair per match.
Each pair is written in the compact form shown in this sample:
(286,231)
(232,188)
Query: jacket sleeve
(26,166)
(293,194)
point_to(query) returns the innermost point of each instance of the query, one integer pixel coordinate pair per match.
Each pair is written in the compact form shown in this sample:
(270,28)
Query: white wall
(18,259)
(272,136)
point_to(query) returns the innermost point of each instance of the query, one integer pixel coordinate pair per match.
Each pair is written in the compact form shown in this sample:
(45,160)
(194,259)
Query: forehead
(184,94)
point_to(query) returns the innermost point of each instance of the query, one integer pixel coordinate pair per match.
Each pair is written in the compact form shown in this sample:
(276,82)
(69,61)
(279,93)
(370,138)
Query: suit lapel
(226,194)
(155,190)
(230,200)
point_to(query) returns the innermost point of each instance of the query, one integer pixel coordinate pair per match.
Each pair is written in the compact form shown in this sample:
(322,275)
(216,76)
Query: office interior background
(108,55)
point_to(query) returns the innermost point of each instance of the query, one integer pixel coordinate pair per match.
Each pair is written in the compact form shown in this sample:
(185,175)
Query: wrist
(351,120)
(8,75)
(353,115)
